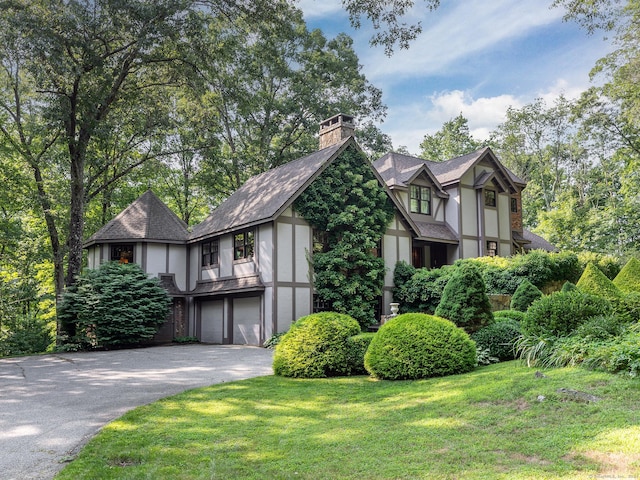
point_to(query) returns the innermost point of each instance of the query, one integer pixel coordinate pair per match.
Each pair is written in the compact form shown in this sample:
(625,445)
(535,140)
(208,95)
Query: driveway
(51,405)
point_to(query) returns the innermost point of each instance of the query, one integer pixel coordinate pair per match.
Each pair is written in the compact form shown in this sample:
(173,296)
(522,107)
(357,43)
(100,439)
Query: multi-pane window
(420,199)
(243,244)
(122,253)
(210,253)
(490,198)
(514,205)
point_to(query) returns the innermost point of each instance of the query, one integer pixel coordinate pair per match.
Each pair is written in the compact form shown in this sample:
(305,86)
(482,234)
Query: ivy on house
(347,202)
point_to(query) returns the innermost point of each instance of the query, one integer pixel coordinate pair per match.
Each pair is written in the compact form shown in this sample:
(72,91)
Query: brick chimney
(335,129)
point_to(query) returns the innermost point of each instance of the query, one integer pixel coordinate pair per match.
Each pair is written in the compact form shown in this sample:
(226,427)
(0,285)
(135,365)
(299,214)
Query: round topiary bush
(524,296)
(316,346)
(417,345)
(560,313)
(499,338)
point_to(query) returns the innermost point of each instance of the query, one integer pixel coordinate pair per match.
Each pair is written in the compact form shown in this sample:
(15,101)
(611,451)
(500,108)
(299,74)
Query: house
(243,273)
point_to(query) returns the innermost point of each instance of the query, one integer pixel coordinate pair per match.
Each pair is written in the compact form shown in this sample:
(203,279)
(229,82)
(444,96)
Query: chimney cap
(340,118)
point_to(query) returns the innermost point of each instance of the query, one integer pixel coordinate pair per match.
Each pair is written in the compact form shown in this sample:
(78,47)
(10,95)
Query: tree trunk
(76,219)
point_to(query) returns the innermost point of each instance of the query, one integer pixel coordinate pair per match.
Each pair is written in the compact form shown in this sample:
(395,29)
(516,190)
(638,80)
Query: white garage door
(246,321)
(212,318)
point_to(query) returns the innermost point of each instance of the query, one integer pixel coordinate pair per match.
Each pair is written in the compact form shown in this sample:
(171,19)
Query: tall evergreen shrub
(628,279)
(347,202)
(524,296)
(464,299)
(115,305)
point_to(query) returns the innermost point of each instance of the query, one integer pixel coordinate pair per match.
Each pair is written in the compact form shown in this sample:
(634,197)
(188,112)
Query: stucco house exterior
(243,273)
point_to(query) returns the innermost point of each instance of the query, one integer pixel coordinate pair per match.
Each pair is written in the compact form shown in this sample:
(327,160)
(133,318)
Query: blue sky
(475,57)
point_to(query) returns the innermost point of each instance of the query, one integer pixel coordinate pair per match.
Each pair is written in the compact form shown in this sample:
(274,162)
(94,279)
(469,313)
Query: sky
(475,57)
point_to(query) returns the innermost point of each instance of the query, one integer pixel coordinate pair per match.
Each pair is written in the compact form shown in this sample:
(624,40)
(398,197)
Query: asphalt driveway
(50,405)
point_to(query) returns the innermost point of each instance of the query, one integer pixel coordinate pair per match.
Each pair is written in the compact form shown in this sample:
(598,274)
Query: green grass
(487,424)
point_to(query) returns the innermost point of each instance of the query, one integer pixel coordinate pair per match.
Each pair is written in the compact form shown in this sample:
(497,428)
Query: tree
(266,87)
(452,140)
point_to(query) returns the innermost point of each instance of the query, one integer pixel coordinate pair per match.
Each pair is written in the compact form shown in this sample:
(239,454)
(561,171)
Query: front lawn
(491,423)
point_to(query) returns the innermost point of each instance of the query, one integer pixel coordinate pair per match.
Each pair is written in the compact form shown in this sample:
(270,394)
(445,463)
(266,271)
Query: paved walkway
(51,405)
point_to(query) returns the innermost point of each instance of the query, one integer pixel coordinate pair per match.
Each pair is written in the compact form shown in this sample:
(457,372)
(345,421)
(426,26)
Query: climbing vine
(347,202)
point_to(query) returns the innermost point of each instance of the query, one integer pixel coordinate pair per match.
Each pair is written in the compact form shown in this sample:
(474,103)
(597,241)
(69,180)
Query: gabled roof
(398,170)
(148,219)
(264,196)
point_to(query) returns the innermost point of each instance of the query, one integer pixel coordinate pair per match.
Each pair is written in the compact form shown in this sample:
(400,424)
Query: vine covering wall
(347,202)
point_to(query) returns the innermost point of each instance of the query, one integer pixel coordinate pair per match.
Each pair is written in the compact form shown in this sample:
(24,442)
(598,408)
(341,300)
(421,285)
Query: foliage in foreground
(488,424)
(417,345)
(499,338)
(316,346)
(115,305)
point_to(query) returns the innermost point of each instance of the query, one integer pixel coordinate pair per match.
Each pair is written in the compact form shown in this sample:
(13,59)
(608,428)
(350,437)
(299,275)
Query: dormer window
(420,199)
(490,198)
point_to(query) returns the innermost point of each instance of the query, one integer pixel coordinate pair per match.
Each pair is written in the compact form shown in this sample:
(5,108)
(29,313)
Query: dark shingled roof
(211,288)
(264,195)
(536,242)
(436,231)
(147,218)
(397,169)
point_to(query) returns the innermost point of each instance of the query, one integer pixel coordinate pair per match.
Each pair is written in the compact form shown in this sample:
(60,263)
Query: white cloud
(408,124)
(463,31)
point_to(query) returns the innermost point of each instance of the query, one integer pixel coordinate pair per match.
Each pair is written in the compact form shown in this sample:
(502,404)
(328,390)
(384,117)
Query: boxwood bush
(417,345)
(594,282)
(499,338)
(560,313)
(628,279)
(502,315)
(524,296)
(316,346)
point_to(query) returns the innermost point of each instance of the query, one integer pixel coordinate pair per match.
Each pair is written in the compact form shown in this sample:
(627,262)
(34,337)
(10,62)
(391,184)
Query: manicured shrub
(116,305)
(499,338)
(423,291)
(568,287)
(608,264)
(356,349)
(464,299)
(627,308)
(560,313)
(417,345)
(316,346)
(601,327)
(502,315)
(524,296)
(594,282)
(628,279)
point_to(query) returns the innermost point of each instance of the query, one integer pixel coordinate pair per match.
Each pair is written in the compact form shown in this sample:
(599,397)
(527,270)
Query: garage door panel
(246,321)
